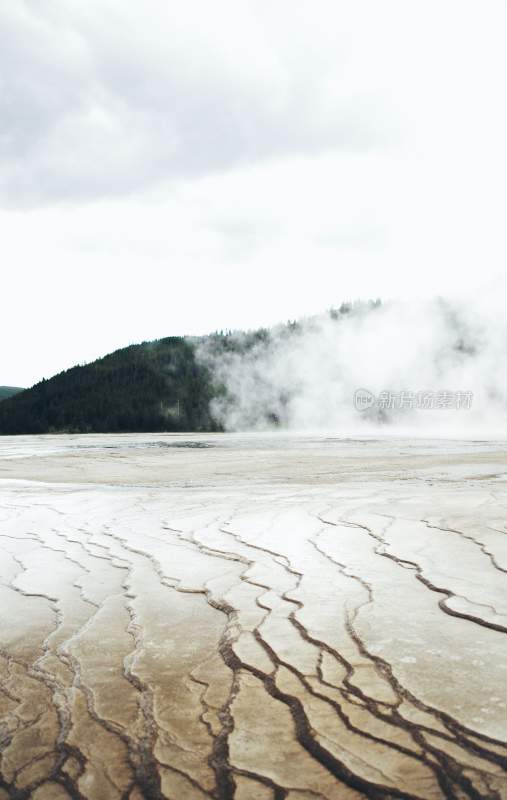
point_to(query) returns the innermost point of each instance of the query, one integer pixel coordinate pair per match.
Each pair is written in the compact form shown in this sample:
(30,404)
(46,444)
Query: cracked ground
(253,617)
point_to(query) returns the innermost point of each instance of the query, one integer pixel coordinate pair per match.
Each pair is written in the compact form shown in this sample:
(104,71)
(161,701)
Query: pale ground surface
(252,617)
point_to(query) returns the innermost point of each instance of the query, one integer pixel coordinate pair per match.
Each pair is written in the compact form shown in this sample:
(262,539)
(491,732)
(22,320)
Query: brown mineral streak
(266,617)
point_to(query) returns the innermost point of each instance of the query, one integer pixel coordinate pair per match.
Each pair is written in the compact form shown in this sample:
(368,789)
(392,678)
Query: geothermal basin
(252,616)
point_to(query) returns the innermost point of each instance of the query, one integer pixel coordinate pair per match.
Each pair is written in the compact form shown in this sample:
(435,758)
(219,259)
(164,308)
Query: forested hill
(9,391)
(154,386)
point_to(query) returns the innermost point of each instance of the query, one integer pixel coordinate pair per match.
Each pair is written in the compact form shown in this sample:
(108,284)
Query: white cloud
(177,168)
(108,98)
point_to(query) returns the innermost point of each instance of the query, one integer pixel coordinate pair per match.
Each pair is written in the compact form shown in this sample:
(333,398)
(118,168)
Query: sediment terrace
(252,617)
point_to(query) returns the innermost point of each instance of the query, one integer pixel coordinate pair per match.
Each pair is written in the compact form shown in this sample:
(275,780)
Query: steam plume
(303,376)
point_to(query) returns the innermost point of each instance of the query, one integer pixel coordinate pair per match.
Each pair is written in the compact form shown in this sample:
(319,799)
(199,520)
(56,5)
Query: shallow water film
(253,617)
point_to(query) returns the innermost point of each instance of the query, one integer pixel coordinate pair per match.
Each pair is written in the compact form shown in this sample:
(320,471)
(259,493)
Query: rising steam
(303,376)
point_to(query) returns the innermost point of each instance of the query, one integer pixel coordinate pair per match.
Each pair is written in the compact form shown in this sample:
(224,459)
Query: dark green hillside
(9,391)
(154,386)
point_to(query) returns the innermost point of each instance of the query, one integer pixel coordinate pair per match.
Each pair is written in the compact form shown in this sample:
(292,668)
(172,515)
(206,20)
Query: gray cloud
(97,102)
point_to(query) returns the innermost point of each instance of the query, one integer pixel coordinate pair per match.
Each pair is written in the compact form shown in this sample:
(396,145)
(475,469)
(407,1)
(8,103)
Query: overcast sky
(176,168)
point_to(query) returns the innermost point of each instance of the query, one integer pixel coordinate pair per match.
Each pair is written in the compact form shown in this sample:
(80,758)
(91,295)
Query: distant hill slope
(162,386)
(9,391)
(154,386)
